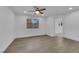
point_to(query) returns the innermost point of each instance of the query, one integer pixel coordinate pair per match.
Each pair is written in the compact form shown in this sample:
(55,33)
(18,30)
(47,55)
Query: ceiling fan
(37,10)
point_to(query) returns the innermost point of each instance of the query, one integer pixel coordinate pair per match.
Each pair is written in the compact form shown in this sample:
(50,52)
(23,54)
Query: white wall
(6,27)
(71,26)
(22,31)
(50,23)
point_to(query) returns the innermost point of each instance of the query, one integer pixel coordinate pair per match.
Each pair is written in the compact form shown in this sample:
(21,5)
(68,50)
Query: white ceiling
(50,10)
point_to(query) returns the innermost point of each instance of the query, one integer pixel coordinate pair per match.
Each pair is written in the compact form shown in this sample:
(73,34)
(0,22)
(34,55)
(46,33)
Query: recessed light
(70,8)
(25,12)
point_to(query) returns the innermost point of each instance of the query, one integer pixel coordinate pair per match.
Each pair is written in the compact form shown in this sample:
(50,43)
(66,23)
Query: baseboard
(51,35)
(71,38)
(7,45)
(22,37)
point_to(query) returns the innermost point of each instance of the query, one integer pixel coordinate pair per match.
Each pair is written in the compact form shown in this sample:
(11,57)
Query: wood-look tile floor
(43,44)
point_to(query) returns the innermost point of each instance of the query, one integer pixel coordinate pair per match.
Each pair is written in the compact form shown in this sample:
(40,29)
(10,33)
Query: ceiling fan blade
(39,9)
(42,9)
(36,8)
(41,12)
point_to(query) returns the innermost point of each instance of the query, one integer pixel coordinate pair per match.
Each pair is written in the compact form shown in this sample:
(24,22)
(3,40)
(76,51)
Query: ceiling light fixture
(25,12)
(37,12)
(70,8)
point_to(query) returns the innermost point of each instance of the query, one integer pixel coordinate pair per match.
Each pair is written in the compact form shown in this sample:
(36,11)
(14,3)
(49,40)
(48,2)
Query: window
(32,23)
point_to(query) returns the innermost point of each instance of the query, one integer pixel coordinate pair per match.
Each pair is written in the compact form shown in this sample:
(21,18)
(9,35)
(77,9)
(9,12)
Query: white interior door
(58,26)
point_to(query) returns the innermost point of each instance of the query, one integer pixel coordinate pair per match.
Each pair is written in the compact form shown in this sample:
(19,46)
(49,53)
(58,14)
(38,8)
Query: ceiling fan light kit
(37,10)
